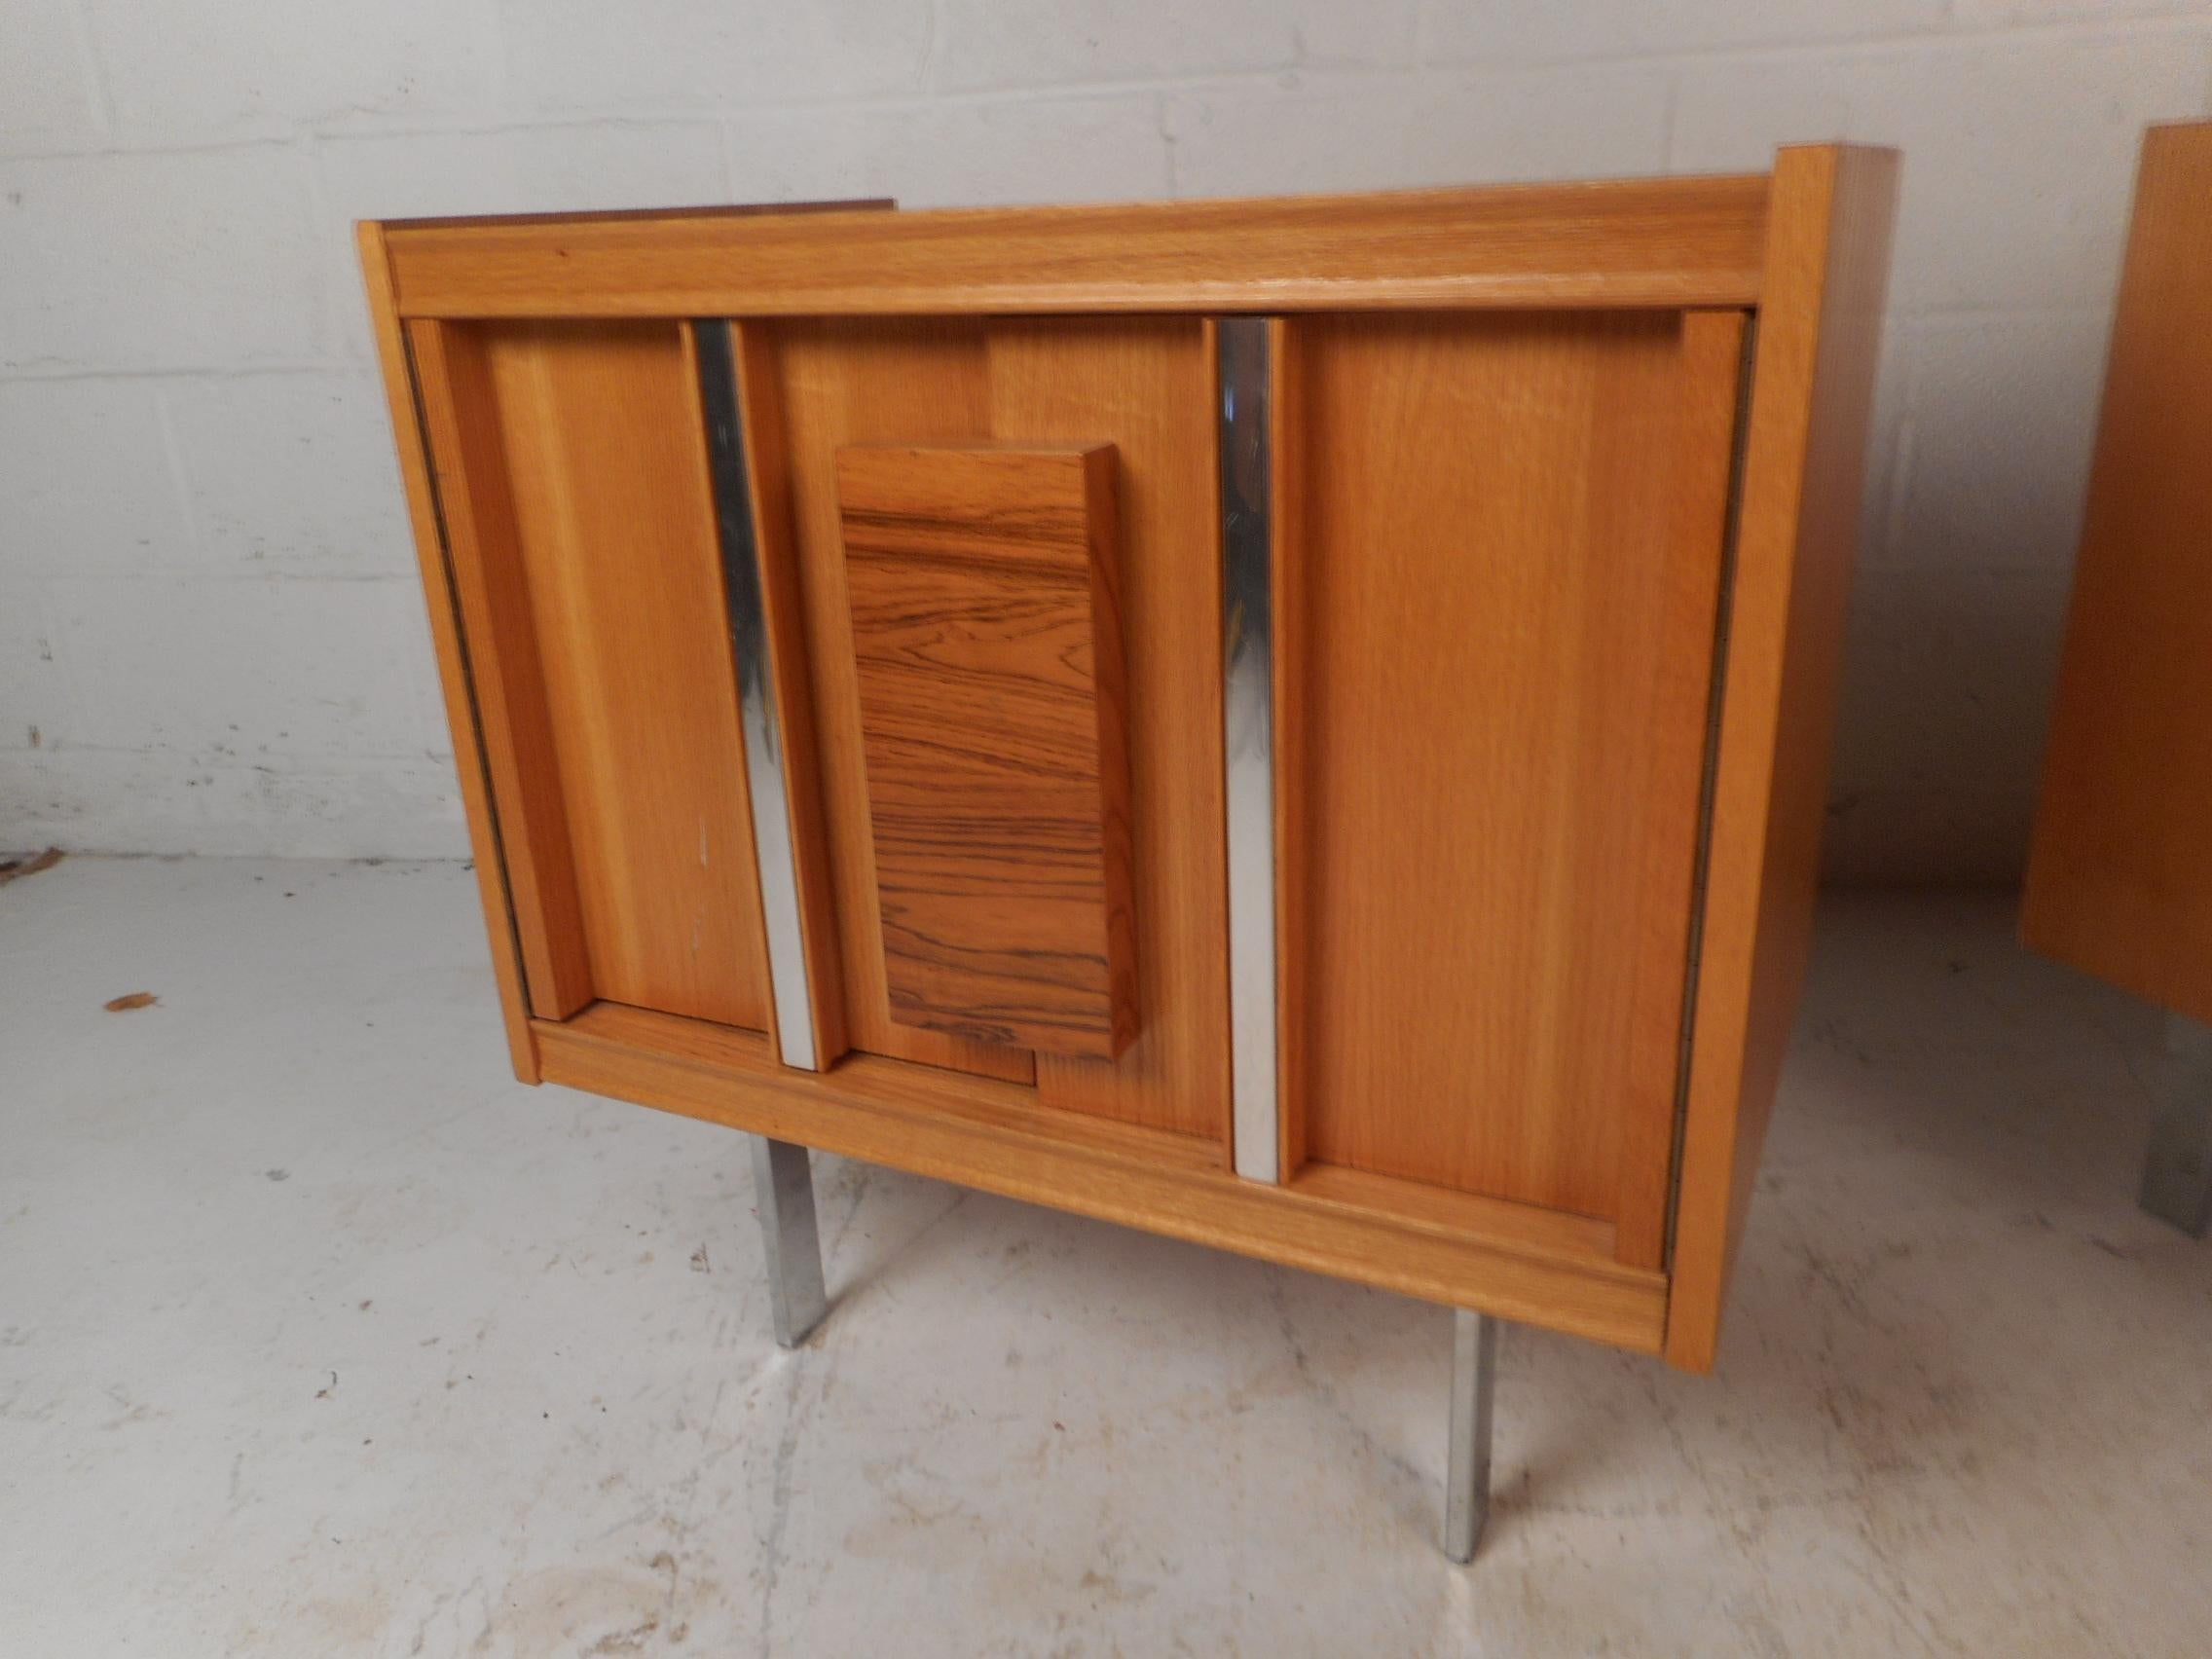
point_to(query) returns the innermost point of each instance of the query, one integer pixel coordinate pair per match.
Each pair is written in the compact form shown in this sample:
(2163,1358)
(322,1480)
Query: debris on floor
(125,1003)
(27,864)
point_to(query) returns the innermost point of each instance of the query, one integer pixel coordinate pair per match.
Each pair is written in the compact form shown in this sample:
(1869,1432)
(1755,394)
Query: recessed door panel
(613,525)
(840,383)
(1145,384)
(1140,390)
(1499,643)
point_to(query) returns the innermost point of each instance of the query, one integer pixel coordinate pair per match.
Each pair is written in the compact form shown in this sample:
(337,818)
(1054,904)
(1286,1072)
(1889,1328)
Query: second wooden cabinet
(1294,725)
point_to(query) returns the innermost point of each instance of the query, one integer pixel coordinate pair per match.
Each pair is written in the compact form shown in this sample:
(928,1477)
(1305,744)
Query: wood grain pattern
(1504,624)
(452,655)
(604,449)
(2119,870)
(476,507)
(986,631)
(1506,1259)
(1797,532)
(842,384)
(1666,242)
(1146,385)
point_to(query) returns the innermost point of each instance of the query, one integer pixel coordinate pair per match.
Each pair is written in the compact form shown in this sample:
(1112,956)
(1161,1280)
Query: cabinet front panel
(1145,384)
(1499,632)
(1143,388)
(865,382)
(613,525)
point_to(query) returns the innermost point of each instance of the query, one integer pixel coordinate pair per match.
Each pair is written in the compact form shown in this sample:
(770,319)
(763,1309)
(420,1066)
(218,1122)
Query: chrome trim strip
(1247,617)
(755,690)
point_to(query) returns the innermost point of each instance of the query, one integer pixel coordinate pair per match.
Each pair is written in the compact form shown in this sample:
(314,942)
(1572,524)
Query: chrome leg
(783,1186)
(1466,1477)
(2177,1170)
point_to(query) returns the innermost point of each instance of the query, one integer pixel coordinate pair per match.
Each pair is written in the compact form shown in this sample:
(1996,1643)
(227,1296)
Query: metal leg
(783,1186)
(1466,1478)
(2177,1170)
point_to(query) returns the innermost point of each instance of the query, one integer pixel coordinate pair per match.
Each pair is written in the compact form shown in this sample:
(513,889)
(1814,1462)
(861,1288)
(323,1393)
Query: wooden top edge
(703,211)
(2172,144)
(1668,242)
(1840,147)
(1464,197)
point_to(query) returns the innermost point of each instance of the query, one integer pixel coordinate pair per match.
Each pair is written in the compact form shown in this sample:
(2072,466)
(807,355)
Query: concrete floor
(320,1337)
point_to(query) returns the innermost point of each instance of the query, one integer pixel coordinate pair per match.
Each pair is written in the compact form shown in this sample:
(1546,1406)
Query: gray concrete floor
(318,1335)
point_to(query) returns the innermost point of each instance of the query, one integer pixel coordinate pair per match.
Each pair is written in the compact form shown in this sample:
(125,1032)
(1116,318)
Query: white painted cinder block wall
(210,638)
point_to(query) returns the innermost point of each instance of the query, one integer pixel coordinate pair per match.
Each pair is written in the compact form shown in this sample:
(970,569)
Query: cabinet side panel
(2119,877)
(451,654)
(1501,632)
(1819,328)
(607,453)
(1145,385)
(858,382)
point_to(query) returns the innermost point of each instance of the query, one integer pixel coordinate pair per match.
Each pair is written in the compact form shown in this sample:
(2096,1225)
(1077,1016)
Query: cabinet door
(571,480)
(1500,574)
(1003,534)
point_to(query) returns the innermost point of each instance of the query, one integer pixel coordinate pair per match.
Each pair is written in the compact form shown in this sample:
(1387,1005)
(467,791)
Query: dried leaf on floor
(29,864)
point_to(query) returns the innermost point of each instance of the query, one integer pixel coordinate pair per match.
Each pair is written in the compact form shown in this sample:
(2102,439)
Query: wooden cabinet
(2119,879)
(1295,724)
(2118,882)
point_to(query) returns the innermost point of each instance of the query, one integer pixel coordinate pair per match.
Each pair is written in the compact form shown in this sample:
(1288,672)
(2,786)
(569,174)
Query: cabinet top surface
(1657,243)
